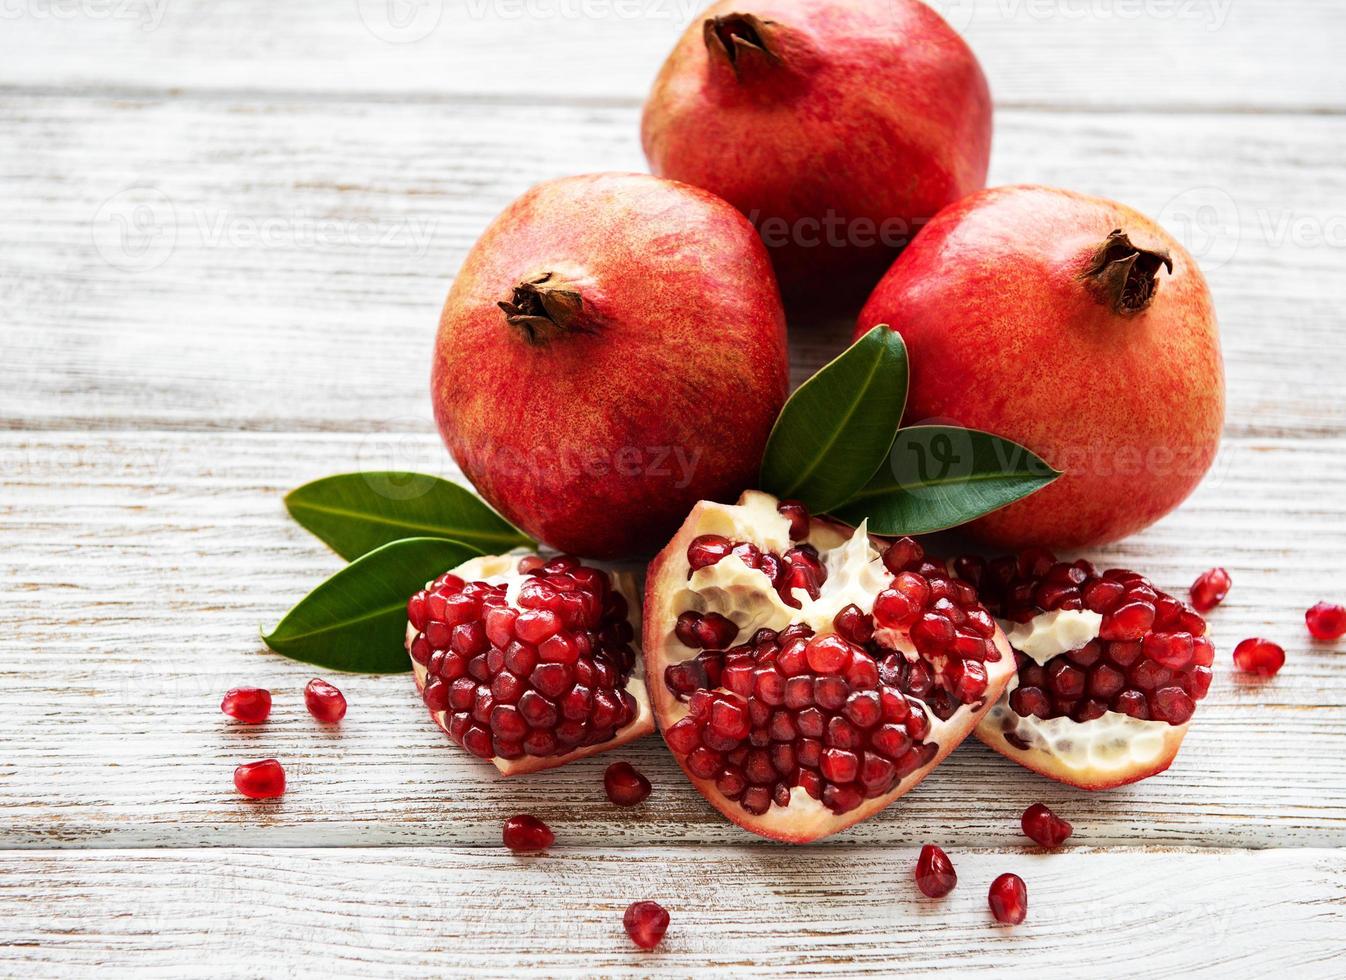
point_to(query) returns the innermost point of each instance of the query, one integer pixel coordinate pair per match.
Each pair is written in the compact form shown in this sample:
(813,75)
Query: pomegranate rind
(745,595)
(504,568)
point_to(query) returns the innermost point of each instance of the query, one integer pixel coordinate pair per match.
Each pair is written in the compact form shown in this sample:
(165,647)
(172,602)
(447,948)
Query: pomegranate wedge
(528,662)
(806,675)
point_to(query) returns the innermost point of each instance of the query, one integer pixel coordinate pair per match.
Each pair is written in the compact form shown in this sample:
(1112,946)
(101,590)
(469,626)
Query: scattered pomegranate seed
(1009,899)
(1209,589)
(249,705)
(324,701)
(1044,827)
(525,833)
(1259,656)
(625,785)
(645,923)
(1326,621)
(264,780)
(934,872)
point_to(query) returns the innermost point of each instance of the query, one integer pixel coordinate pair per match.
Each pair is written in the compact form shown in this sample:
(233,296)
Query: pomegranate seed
(1008,899)
(828,654)
(324,701)
(264,780)
(798,516)
(645,923)
(901,554)
(1209,589)
(1172,704)
(1326,621)
(1259,656)
(625,785)
(1044,827)
(935,876)
(249,705)
(525,834)
(852,624)
(707,550)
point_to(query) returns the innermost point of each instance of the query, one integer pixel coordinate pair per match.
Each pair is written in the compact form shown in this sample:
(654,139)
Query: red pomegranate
(612,350)
(838,126)
(1110,669)
(528,662)
(806,675)
(1074,326)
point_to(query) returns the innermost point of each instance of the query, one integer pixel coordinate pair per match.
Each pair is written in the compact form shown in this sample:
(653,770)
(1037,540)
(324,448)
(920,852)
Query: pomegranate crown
(741,39)
(543,306)
(1124,275)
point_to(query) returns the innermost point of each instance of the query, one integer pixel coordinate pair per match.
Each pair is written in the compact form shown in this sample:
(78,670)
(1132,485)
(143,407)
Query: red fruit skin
(598,439)
(1004,335)
(874,114)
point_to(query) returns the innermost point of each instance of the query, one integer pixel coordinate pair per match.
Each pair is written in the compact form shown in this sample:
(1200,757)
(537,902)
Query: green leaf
(836,430)
(357,620)
(358,512)
(940,476)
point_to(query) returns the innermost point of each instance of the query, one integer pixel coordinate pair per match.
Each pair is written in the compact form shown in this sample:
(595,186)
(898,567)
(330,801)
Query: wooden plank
(292,280)
(137,567)
(1113,54)
(840,912)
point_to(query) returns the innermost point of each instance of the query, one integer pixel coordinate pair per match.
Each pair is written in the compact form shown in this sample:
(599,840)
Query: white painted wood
(1109,54)
(770,912)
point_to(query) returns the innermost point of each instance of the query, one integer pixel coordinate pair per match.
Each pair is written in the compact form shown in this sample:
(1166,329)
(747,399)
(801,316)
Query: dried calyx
(543,306)
(1125,276)
(742,39)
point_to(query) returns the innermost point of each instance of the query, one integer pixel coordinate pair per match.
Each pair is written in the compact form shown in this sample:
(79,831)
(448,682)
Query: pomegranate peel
(485,664)
(797,732)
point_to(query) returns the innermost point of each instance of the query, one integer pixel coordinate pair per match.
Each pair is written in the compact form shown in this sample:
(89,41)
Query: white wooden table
(300,181)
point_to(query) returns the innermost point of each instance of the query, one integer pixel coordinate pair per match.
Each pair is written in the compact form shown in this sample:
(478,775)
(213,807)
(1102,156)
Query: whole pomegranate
(1074,326)
(612,351)
(806,675)
(838,126)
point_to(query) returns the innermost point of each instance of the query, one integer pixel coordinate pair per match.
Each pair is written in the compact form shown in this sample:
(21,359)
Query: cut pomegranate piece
(1326,621)
(526,834)
(528,662)
(856,665)
(625,785)
(250,705)
(324,701)
(263,780)
(1044,827)
(1109,669)
(645,923)
(1259,656)
(935,876)
(1008,899)
(1209,589)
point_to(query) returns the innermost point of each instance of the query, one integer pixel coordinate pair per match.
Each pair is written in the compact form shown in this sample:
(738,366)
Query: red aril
(529,663)
(526,834)
(625,785)
(645,923)
(612,351)
(1086,310)
(935,875)
(1110,669)
(250,705)
(824,705)
(1044,827)
(1326,621)
(1259,656)
(1210,589)
(771,104)
(1008,899)
(324,701)
(263,780)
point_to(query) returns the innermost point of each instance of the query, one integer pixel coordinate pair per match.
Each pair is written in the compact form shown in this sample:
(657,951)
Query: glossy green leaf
(356,620)
(358,512)
(837,428)
(940,476)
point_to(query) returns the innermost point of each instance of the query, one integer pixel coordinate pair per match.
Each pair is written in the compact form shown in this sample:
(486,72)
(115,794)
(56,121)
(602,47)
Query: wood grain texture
(837,913)
(1242,55)
(138,566)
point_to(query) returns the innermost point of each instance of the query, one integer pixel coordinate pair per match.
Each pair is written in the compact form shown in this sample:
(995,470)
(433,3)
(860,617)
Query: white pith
(1104,750)
(855,575)
(504,569)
